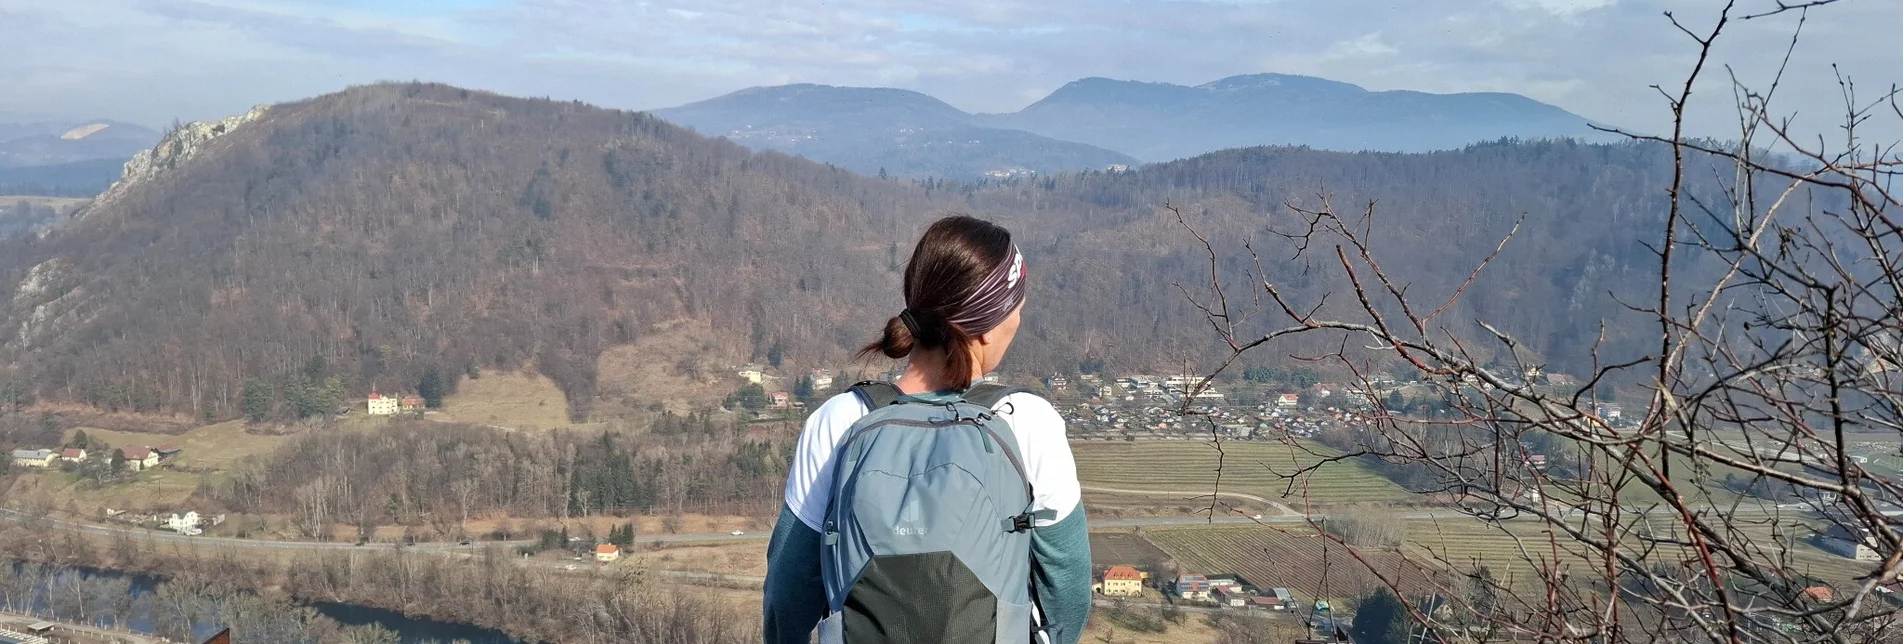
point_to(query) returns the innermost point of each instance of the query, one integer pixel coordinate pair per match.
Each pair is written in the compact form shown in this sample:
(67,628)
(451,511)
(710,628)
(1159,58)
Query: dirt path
(1279,507)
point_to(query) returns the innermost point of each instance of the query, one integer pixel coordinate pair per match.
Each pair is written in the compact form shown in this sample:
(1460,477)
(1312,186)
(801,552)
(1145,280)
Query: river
(409,630)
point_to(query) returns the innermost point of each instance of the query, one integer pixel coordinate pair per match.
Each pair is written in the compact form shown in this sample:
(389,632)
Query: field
(210,447)
(513,400)
(680,365)
(1465,544)
(1183,469)
(1445,548)
(1193,629)
(208,451)
(1271,557)
(1123,548)
(746,559)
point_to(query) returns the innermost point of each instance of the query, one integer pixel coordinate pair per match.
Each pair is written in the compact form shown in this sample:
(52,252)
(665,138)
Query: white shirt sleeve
(1046,451)
(809,478)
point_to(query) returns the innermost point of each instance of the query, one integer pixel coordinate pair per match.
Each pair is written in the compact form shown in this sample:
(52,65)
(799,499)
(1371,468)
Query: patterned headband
(994,299)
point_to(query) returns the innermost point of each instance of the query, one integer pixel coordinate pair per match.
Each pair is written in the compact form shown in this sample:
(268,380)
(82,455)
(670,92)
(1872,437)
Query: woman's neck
(924,373)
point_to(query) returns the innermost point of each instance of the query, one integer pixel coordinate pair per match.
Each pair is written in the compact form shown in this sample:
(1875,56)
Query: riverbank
(115,606)
(527,601)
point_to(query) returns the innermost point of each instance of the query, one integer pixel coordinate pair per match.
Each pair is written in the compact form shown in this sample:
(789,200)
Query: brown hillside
(393,227)
(390,229)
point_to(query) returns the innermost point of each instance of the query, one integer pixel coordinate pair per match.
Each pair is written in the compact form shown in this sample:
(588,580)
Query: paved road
(1279,506)
(453,549)
(157,535)
(696,538)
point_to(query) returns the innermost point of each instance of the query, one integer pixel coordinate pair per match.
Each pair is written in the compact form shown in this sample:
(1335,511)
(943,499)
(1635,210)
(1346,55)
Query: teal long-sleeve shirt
(796,597)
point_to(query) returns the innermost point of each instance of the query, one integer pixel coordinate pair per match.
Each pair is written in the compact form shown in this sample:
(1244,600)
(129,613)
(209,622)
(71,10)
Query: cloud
(1365,47)
(1562,8)
(153,60)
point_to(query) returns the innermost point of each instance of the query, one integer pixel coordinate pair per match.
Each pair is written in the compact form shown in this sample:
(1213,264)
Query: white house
(185,524)
(822,379)
(1610,412)
(380,405)
(140,458)
(752,374)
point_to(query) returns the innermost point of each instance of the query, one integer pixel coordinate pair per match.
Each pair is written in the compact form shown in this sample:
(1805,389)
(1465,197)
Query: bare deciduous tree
(1775,302)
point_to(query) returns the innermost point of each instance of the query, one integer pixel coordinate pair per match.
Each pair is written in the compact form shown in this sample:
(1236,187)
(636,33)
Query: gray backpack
(928,535)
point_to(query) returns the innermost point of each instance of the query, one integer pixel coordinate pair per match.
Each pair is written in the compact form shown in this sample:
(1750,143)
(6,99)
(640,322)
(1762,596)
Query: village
(1147,407)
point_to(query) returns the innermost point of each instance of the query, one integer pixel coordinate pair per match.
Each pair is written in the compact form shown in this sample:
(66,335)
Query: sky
(153,61)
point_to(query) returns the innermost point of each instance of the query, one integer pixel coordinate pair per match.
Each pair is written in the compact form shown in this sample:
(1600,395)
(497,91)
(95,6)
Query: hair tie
(911,323)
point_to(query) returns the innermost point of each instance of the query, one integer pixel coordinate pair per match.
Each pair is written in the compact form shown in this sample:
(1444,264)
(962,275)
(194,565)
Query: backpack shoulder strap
(989,394)
(876,395)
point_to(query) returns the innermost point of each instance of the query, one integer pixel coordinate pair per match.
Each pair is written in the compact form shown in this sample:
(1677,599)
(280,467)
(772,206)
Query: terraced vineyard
(1525,550)
(1249,467)
(1517,557)
(1268,556)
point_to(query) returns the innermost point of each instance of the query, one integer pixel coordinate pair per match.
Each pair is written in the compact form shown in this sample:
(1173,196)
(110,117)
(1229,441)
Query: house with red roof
(1121,581)
(140,458)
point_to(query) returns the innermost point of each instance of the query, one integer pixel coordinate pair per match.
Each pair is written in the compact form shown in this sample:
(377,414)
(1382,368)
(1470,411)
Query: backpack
(928,533)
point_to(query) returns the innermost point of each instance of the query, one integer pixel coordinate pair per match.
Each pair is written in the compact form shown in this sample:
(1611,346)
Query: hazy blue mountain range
(75,179)
(67,158)
(1162,121)
(869,130)
(1096,122)
(54,143)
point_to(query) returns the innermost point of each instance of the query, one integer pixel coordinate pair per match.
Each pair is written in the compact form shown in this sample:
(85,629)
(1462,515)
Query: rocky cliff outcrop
(49,298)
(178,146)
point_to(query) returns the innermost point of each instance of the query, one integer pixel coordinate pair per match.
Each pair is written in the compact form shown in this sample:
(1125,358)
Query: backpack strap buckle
(1027,520)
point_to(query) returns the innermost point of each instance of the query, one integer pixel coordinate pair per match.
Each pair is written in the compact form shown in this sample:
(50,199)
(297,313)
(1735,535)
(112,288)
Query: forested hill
(393,228)
(1111,257)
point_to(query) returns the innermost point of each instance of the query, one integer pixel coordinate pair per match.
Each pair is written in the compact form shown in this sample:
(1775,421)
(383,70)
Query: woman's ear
(983,338)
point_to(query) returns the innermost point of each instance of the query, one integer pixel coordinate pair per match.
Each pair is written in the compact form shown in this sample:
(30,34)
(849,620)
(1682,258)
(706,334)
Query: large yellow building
(1121,581)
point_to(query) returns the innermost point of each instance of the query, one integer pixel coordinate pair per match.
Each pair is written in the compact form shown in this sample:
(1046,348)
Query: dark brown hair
(951,261)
